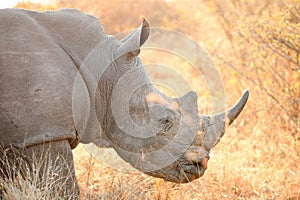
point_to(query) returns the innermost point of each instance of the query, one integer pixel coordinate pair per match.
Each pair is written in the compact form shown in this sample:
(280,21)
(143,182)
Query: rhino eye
(166,123)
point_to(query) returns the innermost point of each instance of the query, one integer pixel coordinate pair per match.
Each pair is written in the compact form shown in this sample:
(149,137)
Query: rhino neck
(128,91)
(139,106)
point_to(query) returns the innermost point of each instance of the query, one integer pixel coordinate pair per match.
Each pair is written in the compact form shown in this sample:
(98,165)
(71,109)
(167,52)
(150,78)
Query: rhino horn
(234,111)
(133,42)
(213,126)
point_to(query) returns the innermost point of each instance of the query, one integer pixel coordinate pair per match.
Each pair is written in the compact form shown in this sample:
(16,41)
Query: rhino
(63,81)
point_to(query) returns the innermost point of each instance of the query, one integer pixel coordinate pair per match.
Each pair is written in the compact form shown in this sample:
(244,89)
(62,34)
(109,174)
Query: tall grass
(31,177)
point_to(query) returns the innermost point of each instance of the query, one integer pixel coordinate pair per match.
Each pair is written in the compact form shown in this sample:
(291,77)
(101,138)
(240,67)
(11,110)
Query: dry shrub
(36,177)
(265,49)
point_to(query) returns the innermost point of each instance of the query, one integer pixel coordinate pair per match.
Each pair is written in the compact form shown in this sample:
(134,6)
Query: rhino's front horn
(233,112)
(213,126)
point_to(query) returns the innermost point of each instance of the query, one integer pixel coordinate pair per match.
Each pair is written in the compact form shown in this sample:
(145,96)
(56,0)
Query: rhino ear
(145,31)
(133,42)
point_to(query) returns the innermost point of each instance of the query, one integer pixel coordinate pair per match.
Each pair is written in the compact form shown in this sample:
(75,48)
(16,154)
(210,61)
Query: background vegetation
(256,45)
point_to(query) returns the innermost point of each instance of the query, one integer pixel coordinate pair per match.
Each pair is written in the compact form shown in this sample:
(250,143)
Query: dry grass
(242,166)
(254,166)
(35,178)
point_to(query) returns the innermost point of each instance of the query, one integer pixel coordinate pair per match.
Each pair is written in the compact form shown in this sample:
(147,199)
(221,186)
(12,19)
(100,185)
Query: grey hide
(40,54)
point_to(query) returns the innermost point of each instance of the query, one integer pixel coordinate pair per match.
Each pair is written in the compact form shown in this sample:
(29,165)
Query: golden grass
(254,166)
(242,166)
(246,164)
(35,179)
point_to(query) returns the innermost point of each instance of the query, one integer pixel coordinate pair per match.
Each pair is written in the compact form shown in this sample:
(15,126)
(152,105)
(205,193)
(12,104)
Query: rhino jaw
(213,126)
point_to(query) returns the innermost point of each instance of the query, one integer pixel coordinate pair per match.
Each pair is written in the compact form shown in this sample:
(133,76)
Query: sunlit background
(12,3)
(8,3)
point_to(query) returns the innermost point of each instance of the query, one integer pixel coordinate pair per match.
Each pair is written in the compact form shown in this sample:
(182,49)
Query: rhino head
(161,136)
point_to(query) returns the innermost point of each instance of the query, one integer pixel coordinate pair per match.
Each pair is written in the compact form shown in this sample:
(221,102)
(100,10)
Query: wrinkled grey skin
(40,58)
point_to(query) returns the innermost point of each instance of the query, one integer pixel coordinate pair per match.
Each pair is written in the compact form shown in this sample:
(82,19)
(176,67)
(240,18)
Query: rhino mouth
(189,166)
(182,170)
(190,171)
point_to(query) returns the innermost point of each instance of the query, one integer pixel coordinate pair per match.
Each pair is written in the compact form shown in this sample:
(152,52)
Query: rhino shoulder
(66,23)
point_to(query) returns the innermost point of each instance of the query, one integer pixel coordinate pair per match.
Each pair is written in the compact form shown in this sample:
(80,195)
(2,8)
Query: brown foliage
(265,40)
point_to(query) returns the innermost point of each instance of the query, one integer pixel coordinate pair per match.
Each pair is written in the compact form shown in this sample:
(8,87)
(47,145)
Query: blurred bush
(265,42)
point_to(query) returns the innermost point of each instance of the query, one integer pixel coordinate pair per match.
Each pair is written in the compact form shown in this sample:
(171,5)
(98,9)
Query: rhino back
(39,58)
